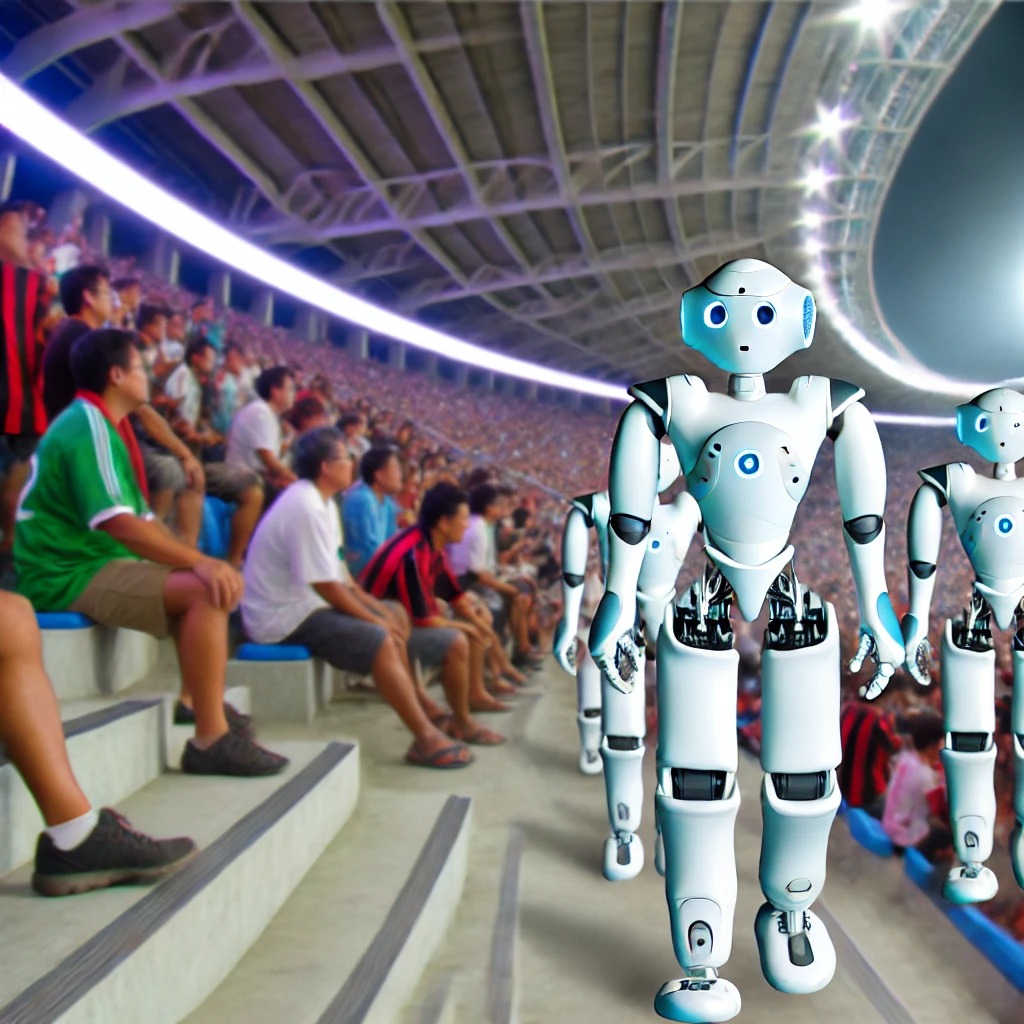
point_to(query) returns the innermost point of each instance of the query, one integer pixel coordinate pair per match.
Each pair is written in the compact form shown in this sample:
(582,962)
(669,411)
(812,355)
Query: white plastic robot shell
(668,468)
(747,317)
(993,425)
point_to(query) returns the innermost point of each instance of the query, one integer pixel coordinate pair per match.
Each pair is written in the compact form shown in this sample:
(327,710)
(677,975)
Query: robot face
(669,468)
(993,425)
(747,317)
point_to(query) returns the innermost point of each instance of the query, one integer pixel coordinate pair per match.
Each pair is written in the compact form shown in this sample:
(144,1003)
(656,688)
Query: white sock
(74,832)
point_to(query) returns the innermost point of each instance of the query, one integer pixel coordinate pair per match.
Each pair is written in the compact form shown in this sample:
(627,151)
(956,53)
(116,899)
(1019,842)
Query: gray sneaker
(232,754)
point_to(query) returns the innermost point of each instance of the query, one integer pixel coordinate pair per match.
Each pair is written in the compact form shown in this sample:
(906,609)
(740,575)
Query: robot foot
(623,856)
(1017,853)
(970,883)
(699,998)
(590,762)
(797,955)
(659,855)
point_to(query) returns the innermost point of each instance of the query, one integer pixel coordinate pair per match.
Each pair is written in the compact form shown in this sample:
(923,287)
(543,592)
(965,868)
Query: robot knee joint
(623,742)
(630,528)
(970,742)
(863,529)
(591,712)
(803,786)
(692,784)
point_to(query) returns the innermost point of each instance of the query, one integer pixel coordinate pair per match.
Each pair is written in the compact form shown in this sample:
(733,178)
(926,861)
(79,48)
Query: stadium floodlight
(30,121)
(813,246)
(831,123)
(812,220)
(816,180)
(873,14)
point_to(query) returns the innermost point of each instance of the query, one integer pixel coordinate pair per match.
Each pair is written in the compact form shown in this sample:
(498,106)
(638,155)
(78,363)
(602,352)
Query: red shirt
(869,741)
(406,568)
(22,309)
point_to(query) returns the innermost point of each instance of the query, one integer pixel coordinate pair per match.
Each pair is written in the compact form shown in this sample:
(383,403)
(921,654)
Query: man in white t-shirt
(256,439)
(299,591)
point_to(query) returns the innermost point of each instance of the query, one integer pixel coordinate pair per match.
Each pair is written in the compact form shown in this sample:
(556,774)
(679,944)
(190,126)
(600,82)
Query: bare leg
(455,676)
(189,507)
(479,698)
(201,640)
(17,476)
(160,502)
(30,725)
(243,522)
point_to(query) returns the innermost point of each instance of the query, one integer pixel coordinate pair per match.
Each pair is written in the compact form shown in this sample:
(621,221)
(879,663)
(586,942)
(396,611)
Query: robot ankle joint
(969,742)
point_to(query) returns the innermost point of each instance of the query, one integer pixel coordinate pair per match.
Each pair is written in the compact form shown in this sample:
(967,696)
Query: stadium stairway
(316,895)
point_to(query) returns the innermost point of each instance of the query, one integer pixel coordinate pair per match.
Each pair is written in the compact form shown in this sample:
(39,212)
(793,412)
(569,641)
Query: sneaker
(112,854)
(232,754)
(237,721)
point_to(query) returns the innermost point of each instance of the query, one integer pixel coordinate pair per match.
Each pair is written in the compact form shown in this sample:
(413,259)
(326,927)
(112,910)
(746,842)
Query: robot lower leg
(588,713)
(968,699)
(1017,727)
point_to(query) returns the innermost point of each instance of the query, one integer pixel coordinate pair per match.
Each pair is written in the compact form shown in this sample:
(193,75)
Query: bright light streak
(901,419)
(32,122)
(813,247)
(812,220)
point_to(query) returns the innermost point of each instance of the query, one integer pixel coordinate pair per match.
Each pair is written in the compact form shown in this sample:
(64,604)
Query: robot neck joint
(747,387)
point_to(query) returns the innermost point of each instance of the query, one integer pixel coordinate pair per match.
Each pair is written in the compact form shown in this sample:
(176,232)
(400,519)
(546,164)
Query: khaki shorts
(129,595)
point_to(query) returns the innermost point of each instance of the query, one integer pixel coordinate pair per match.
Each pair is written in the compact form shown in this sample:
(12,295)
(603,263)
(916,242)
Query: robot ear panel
(809,317)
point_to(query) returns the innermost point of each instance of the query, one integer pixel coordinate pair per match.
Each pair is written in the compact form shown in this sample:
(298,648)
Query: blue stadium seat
(215,535)
(868,832)
(272,652)
(844,807)
(63,620)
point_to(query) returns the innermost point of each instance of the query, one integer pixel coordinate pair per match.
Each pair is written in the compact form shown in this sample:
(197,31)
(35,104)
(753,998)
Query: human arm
(860,481)
(275,469)
(160,431)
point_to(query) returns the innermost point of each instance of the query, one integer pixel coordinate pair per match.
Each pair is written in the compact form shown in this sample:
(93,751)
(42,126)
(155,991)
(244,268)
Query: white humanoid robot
(612,724)
(989,517)
(747,456)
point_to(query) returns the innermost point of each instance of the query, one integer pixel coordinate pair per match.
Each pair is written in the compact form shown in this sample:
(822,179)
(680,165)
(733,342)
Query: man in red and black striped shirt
(411,568)
(869,741)
(23,306)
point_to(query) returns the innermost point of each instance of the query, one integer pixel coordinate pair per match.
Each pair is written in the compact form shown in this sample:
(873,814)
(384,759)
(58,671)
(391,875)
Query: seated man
(86,541)
(369,515)
(81,848)
(411,568)
(298,591)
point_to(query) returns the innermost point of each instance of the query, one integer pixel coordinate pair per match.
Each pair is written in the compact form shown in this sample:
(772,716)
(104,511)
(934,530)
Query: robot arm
(924,537)
(860,480)
(633,491)
(575,548)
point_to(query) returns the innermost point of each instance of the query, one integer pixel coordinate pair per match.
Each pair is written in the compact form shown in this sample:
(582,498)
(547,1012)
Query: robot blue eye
(764,315)
(748,463)
(1005,526)
(981,424)
(716,315)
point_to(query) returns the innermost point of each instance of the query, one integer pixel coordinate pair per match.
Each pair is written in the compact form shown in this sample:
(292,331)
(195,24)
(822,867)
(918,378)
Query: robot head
(747,317)
(993,425)
(669,468)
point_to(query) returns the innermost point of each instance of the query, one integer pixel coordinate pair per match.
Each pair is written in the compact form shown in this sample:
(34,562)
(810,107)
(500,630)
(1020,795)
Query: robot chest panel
(748,479)
(993,537)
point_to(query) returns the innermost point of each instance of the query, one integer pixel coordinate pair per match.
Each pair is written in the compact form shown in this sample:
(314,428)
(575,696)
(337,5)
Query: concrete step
(356,936)
(153,955)
(96,661)
(116,748)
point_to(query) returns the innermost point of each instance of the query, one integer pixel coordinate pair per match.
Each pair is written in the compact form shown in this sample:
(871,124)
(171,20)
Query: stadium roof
(543,179)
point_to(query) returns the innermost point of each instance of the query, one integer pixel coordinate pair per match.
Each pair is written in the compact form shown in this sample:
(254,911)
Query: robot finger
(864,649)
(879,681)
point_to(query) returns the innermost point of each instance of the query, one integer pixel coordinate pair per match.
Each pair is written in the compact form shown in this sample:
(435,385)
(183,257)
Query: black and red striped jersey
(22,310)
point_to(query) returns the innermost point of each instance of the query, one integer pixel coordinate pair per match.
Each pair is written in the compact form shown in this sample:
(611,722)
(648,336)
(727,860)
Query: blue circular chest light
(748,463)
(1005,526)
(655,543)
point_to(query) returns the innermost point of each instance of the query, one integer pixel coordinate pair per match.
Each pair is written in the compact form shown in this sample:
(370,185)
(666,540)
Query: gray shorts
(347,643)
(163,471)
(229,482)
(429,644)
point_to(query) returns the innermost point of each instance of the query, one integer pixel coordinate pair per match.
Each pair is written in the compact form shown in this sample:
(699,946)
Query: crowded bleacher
(185,453)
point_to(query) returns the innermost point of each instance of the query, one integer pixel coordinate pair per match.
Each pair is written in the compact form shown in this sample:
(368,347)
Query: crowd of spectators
(279,429)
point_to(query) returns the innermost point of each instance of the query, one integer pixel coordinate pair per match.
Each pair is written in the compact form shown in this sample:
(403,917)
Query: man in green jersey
(86,541)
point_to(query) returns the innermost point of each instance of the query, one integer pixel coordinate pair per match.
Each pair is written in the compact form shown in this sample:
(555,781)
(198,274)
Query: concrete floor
(590,951)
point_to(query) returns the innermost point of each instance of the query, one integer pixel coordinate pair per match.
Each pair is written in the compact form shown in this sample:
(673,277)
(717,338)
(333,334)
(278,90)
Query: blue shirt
(367,522)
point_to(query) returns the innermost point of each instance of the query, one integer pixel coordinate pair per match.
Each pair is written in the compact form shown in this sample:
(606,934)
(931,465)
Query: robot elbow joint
(631,529)
(573,579)
(863,529)
(922,570)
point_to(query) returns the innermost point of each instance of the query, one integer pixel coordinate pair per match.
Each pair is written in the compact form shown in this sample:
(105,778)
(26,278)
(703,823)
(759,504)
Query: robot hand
(616,645)
(883,669)
(917,651)
(564,648)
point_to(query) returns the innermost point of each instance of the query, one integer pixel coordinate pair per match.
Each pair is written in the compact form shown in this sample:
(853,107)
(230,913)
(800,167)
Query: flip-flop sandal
(447,723)
(445,758)
(490,708)
(484,737)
